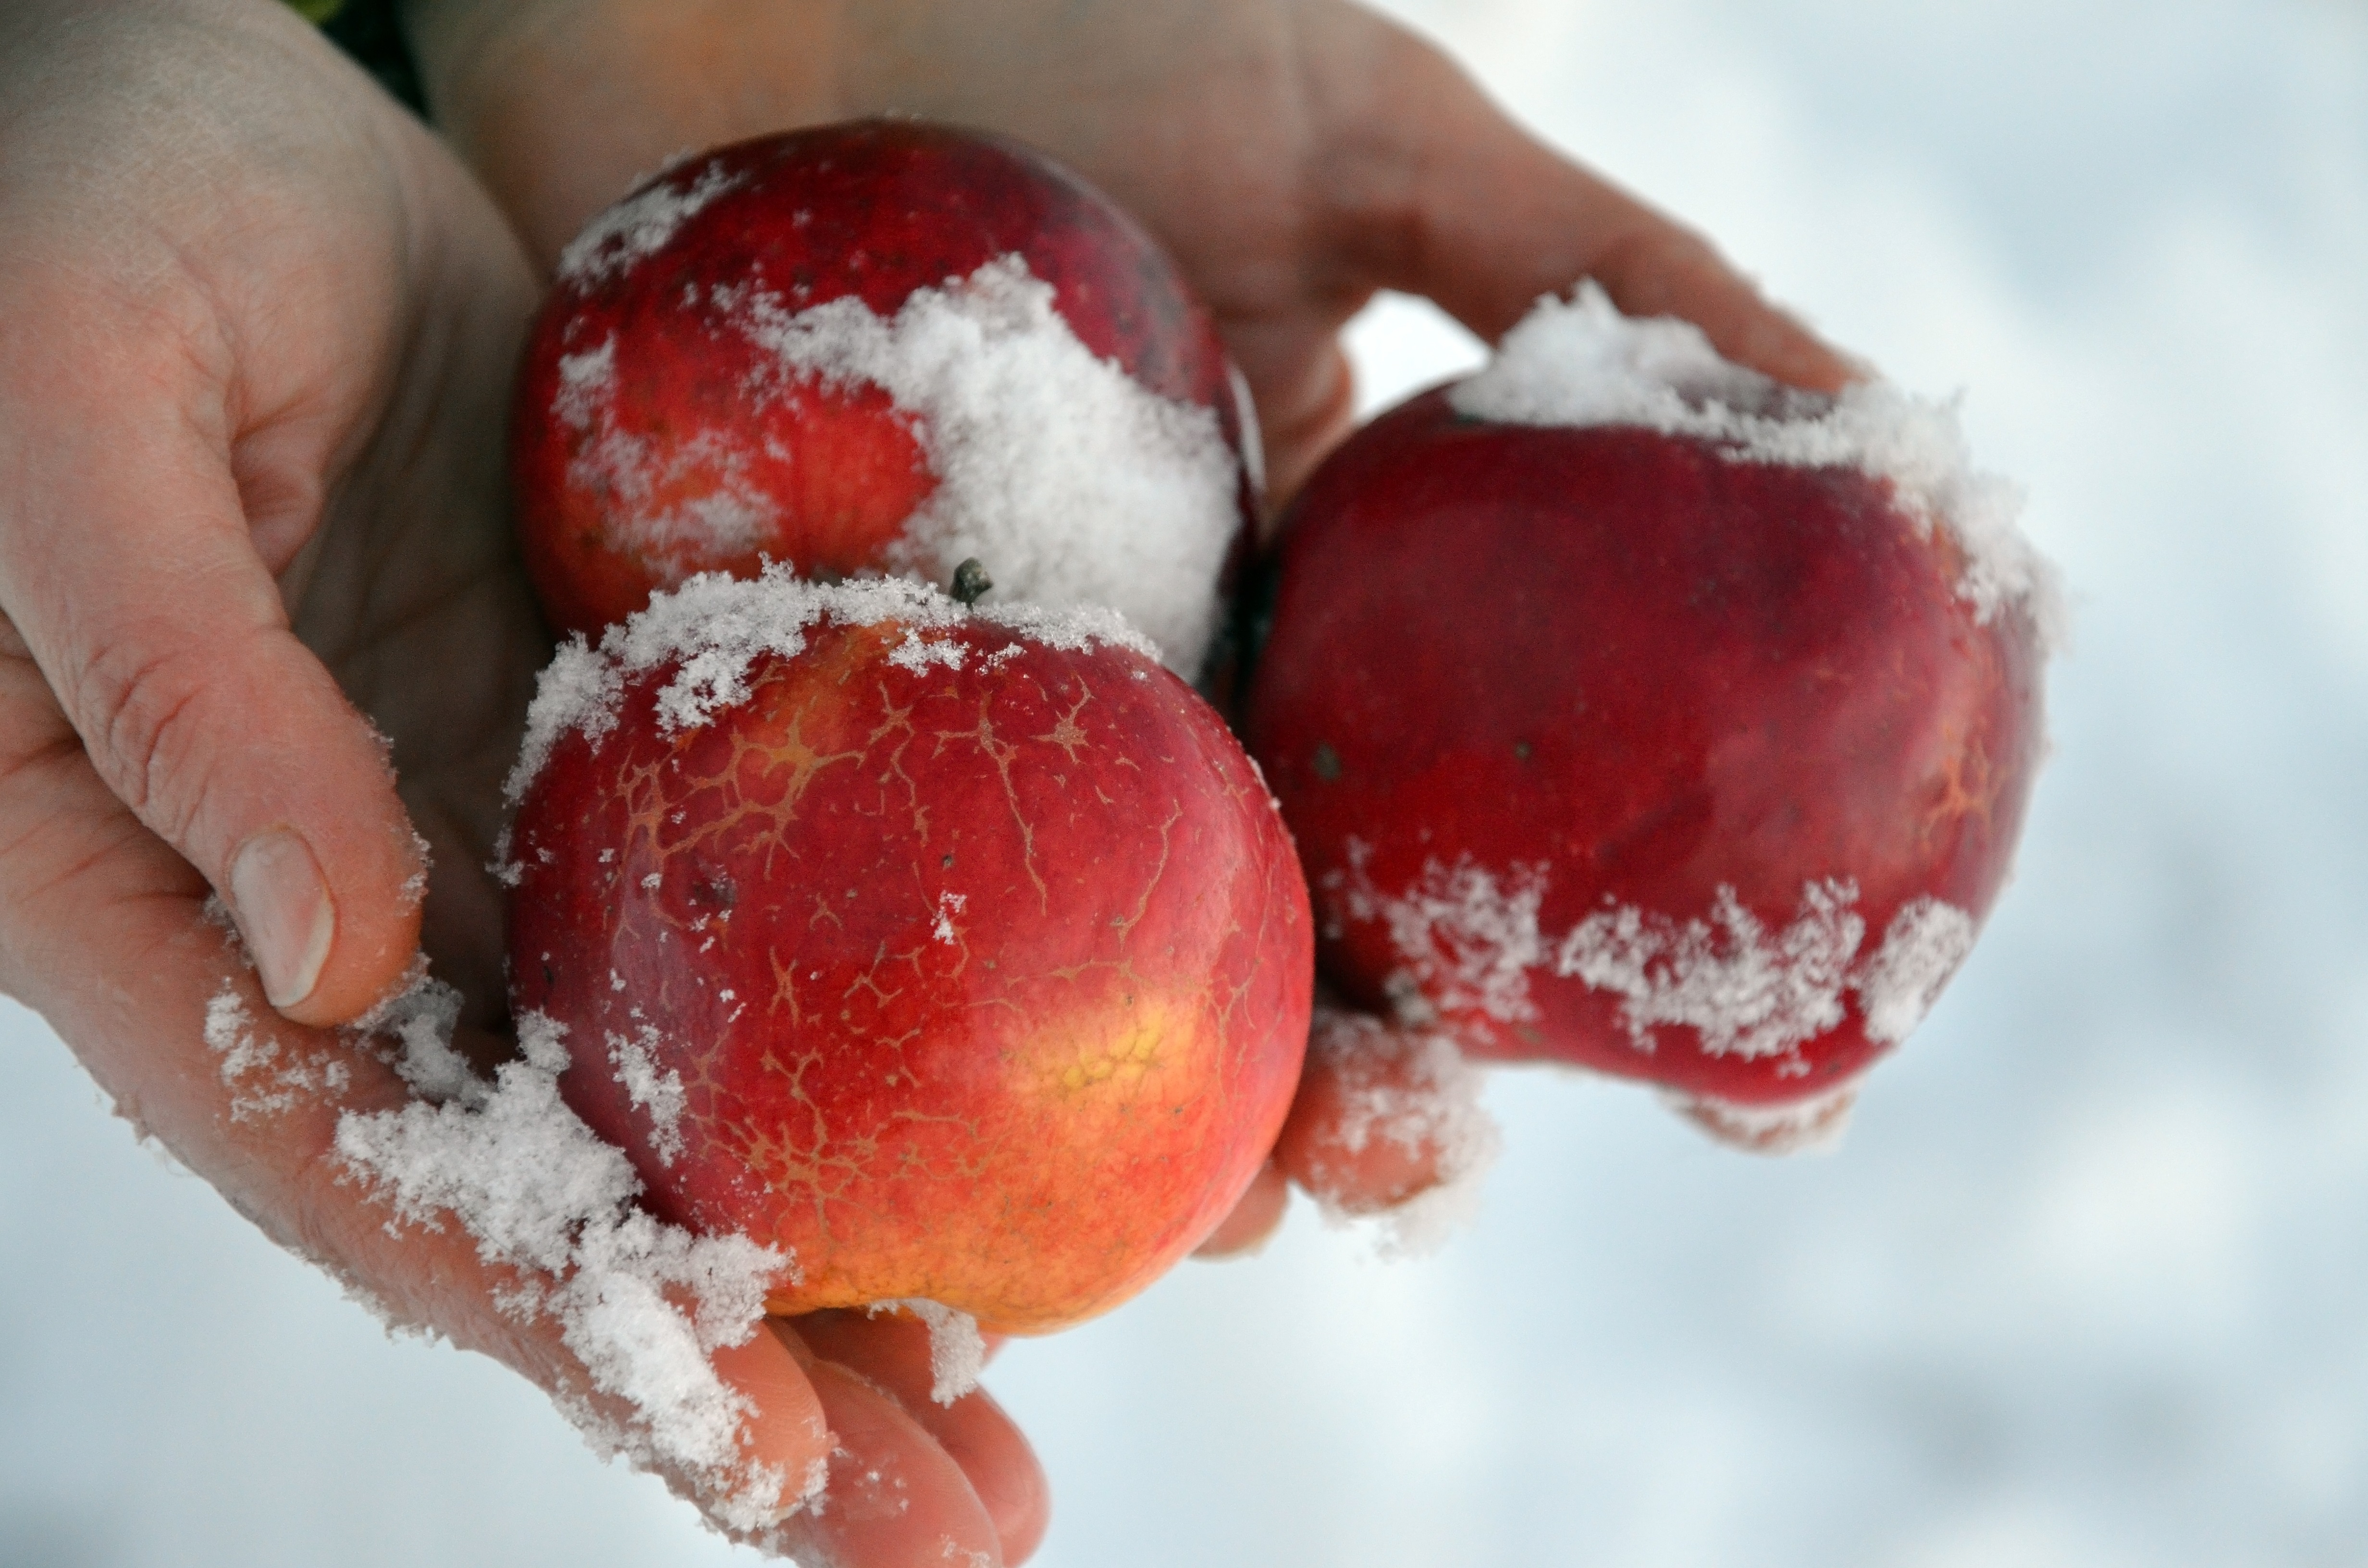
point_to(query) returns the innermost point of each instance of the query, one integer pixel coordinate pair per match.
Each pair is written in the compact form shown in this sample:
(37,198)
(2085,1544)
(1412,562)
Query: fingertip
(331,919)
(893,1494)
(1384,1115)
(787,1433)
(892,1351)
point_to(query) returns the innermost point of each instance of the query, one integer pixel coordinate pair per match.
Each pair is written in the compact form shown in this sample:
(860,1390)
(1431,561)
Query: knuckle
(141,711)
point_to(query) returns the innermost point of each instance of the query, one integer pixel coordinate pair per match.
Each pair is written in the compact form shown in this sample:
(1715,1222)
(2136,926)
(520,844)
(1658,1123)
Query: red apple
(960,953)
(1664,740)
(879,346)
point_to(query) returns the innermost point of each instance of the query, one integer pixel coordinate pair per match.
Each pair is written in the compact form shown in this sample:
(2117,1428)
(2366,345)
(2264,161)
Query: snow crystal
(414,891)
(957,1350)
(918,652)
(733,517)
(1580,362)
(262,1075)
(587,382)
(660,1094)
(1073,484)
(949,905)
(1747,994)
(1923,947)
(714,628)
(640,225)
(1812,1125)
(539,1191)
(1489,928)
(1437,1102)
(576,692)
(1468,941)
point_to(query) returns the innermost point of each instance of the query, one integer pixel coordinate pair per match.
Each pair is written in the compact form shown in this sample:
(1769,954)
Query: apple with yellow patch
(960,953)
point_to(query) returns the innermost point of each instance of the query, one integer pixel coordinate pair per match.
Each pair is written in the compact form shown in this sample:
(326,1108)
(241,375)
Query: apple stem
(971,582)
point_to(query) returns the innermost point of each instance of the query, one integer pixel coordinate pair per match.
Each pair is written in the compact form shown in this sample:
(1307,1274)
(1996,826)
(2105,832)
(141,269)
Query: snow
(1412,1086)
(715,627)
(1469,942)
(264,1077)
(1921,949)
(1071,483)
(538,1190)
(1579,362)
(957,1348)
(1811,1126)
(1486,923)
(640,225)
(1744,992)
(659,1094)
(2079,1291)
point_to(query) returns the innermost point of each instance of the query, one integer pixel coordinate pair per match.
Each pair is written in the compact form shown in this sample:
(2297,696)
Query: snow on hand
(541,1193)
(1436,1101)
(1580,362)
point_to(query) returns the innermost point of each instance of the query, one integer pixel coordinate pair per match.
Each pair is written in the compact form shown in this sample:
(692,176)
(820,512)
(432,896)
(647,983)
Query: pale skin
(258,332)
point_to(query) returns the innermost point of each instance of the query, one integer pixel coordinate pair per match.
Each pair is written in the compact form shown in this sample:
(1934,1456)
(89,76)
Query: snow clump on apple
(718,627)
(1073,482)
(639,226)
(1579,362)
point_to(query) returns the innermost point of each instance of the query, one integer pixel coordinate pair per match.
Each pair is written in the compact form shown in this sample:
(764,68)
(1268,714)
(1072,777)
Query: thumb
(129,571)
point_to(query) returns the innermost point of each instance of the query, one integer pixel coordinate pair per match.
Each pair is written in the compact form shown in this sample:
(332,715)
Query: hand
(262,617)
(1296,156)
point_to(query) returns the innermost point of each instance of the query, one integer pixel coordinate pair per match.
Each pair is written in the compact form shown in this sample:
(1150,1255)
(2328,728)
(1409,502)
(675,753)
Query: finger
(789,1433)
(1383,1116)
(1253,1222)
(892,1351)
(896,1499)
(1306,391)
(1432,189)
(126,565)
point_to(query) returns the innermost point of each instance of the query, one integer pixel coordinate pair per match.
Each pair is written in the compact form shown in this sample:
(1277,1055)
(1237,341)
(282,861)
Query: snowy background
(2087,1285)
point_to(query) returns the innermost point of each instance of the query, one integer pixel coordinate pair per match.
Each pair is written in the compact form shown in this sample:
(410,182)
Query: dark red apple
(1640,745)
(879,346)
(962,954)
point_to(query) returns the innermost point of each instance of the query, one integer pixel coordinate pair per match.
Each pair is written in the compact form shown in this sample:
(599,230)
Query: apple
(959,952)
(875,347)
(1633,712)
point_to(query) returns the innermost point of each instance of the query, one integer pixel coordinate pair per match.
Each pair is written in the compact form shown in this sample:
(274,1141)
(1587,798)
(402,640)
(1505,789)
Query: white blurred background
(2087,1284)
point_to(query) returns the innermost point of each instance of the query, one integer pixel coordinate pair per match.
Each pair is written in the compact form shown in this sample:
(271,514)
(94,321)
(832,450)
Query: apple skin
(869,209)
(988,986)
(1614,668)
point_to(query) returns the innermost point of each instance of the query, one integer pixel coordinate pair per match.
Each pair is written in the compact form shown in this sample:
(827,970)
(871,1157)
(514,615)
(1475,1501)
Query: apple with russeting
(1632,712)
(960,953)
(880,347)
